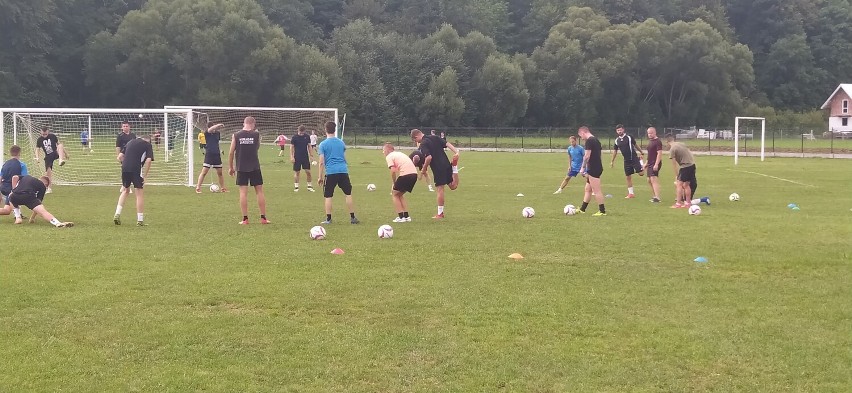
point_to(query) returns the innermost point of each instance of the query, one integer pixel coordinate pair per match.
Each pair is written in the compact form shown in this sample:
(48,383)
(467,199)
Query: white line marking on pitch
(774,177)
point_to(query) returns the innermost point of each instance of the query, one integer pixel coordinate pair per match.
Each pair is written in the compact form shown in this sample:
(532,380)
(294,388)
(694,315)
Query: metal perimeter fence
(778,142)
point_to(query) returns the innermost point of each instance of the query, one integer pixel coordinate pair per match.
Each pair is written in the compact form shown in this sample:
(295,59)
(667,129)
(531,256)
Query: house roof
(847,88)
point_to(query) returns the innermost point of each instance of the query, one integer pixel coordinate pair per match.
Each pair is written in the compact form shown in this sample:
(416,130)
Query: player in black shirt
(244,147)
(212,156)
(632,157)
(48,144)
(29,191)
(593,169)
(301,156)
(417,158)
(444,172)
(135,164)
(123,137)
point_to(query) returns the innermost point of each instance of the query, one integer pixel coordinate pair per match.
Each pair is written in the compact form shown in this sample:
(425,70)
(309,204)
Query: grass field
(194,302)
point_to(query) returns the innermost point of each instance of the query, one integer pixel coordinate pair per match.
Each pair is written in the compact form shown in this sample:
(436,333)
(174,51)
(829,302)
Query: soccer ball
(371,187)
(314,163)
(385,232)
(528,212)
(570,210)
(214,187)
(734,197)
(694,210)
(141,116)
(317,233)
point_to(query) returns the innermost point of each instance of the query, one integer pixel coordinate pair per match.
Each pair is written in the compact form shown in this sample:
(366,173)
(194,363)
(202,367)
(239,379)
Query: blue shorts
(573,172)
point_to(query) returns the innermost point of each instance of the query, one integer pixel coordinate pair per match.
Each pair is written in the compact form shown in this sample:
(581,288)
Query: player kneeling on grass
(30,191)
(403,176)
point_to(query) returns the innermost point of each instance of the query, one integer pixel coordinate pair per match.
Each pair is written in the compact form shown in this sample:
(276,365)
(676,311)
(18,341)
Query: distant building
(838,105)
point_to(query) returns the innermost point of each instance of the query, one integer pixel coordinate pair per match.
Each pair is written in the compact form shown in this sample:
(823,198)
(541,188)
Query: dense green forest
(434,62)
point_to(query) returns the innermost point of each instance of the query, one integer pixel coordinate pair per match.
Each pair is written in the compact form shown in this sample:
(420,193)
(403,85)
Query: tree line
(436,62)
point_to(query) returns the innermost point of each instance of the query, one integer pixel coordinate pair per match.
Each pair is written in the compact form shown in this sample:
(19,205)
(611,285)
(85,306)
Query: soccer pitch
(195,302)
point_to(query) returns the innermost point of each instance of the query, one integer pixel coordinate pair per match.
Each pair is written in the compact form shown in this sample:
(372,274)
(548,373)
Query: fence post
(355,142)
(495,141)
(773,143)
(803,144)
(550,137)
(709,151)
(832,144)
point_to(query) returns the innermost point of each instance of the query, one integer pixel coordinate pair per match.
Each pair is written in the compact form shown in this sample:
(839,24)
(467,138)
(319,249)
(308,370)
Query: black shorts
(633,166)
(301,164)
(687,174)
(283,147)
(254,178)
(212,161)
(202,146)
(49,159)
(649,169)
(405,183)
(135,178)
(594,172)
(337,180)
(28,200)
(84,144)
(442,176)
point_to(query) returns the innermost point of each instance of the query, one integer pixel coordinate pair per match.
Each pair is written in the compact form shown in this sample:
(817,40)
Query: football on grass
(734,197)
(317,233)
(214,187)
(371,187)
(385,232)
(528,212)
(694,210)
(569,210)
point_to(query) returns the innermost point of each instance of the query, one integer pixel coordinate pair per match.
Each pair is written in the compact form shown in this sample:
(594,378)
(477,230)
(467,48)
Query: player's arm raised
(215,127)
(231,151)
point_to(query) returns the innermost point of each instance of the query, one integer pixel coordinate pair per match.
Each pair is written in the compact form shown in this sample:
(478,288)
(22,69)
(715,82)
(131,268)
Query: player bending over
(30,192)
(444,172)
(404,176)
(135,164)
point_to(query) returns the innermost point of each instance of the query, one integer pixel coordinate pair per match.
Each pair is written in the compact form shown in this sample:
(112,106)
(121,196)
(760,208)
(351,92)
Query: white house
(839,105)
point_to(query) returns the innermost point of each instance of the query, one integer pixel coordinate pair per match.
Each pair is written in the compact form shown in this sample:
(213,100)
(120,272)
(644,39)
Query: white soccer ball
(214,188)
(734,197)
(570,210)
(371,187)
(528,212)
(141,116)
(385,232)
(317,233)
(694,210)
(314,163)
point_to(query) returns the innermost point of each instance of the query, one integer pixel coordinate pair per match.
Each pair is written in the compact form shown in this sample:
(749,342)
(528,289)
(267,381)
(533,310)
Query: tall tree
(26,76)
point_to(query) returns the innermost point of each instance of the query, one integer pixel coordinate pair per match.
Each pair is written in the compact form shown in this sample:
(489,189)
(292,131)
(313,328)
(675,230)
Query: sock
(351,215)
(296,185)
(118,210)
(139,217)
(630,190)
(400,214)
(405,214)
(455,169)
(602,208)
(584,206)
(328,217)
(705,199)
(245,218)
(17,211)
(263,216)
(55,222)
(310,185)
(440,210)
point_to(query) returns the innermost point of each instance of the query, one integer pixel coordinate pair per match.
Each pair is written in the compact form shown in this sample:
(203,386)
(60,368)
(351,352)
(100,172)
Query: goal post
(270,121)
(737,137)
(95,162)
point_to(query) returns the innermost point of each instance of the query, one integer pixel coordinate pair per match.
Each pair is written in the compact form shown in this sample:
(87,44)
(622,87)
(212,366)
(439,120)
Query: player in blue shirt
(334,171)
(11,168)
(575,161)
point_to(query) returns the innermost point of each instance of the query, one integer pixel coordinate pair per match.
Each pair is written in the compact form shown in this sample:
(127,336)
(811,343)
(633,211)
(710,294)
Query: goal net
(738,135)
(95,163)
(270,122)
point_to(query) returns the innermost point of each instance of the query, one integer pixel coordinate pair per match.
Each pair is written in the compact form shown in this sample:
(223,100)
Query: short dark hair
(301,127)
(15,150)
(210,124)
(330,127)
(670,136)
(45,129)
(619,125)
(125,122)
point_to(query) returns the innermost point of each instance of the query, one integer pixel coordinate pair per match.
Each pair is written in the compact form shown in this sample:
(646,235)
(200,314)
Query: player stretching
(443,172)
(333,164)
(632,157)
(121,141)
(652,167)
(212,156)
(30,192)
(301,156)
(575,161)
(135,164)
(49,145)
(404,176)
(686,183)
(244,147)
(593,169)
(281,141)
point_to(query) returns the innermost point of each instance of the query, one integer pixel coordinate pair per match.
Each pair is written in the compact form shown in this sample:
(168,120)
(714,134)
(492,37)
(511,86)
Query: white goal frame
(737,137)
(250,108)
(189,181)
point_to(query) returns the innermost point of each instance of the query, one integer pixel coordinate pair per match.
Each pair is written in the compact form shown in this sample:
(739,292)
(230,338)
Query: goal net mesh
(96,162)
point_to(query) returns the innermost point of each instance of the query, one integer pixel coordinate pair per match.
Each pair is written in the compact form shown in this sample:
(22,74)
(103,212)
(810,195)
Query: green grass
(194,302)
